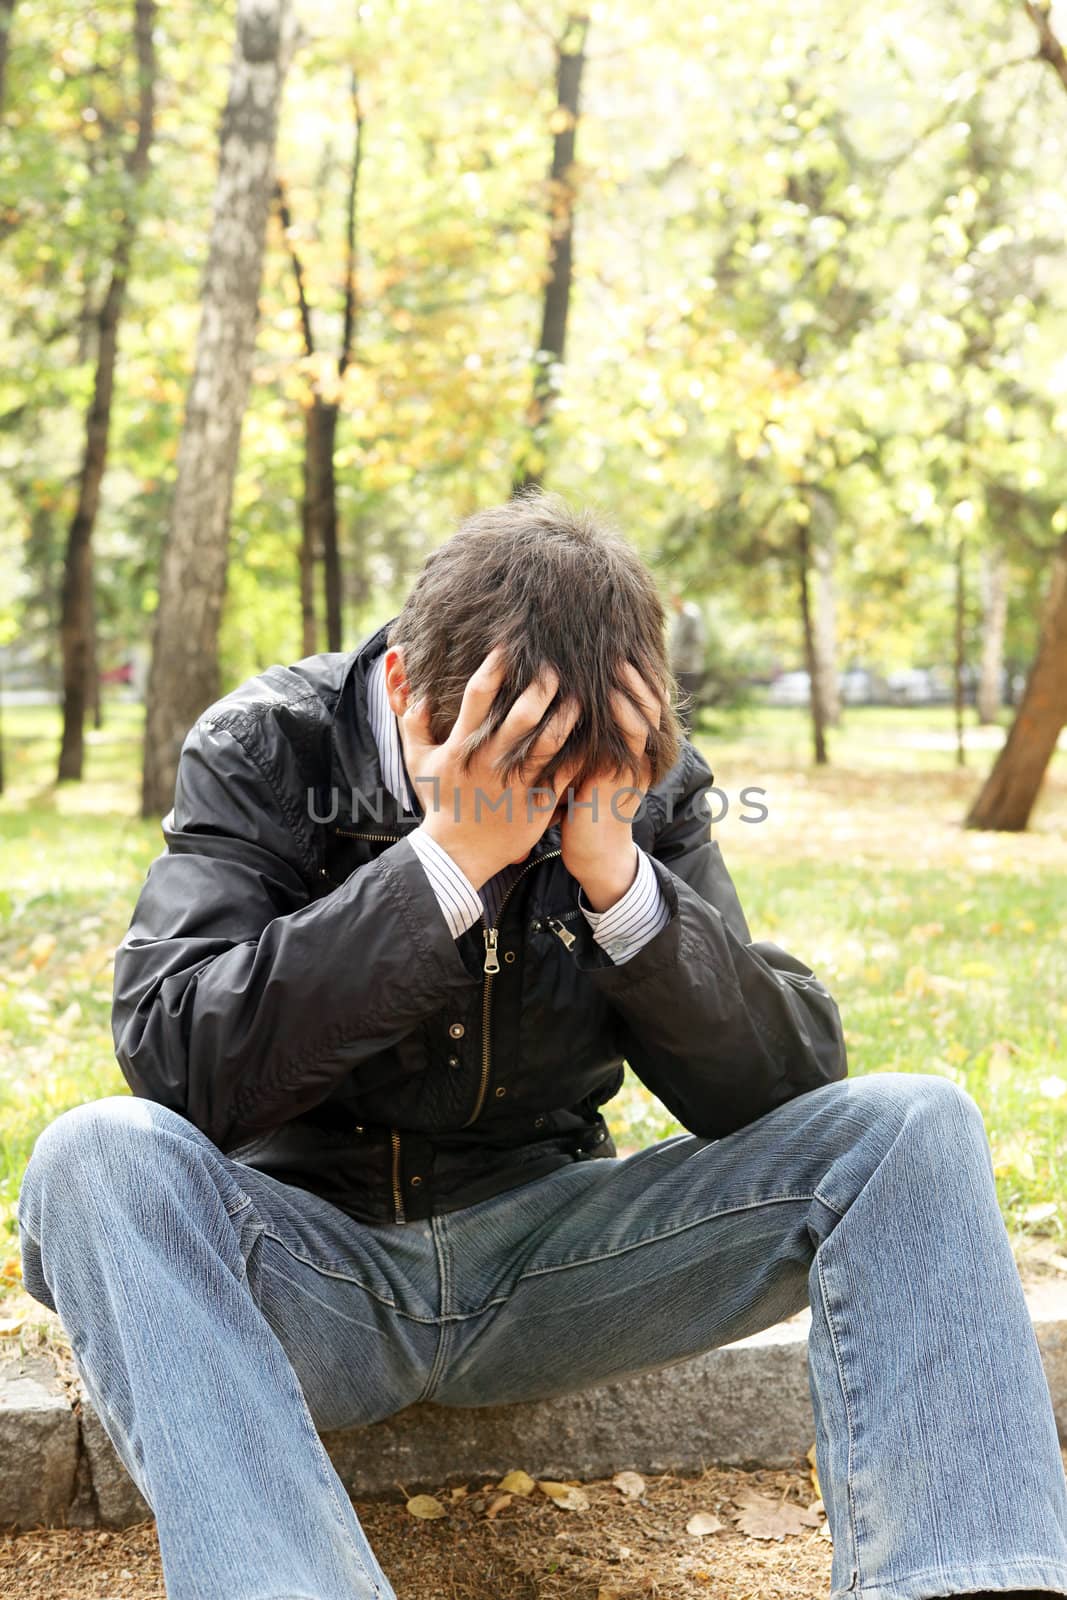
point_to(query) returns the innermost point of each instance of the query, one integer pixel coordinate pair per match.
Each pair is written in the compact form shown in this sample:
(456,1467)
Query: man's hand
(482,825)
(597,838)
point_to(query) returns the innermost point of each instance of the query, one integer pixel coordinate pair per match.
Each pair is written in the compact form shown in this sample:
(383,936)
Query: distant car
(791,689)
(912,686)
(859,686)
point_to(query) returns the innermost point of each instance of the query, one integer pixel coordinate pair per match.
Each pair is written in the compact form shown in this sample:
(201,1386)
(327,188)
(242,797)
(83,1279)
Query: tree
(562,195)
(319,522)
(183,678)
(1007,797)
(77,632)
(1008,794)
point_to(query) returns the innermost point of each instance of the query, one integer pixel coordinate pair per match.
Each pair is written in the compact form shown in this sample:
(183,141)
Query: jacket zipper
(351,833)
(491,968)
(398,1201)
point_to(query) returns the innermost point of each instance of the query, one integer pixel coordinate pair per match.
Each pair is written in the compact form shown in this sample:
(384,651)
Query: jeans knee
(924,1110)
(96,1144)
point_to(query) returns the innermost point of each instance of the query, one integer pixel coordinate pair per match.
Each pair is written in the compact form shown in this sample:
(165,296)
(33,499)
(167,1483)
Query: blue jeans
(218,1317)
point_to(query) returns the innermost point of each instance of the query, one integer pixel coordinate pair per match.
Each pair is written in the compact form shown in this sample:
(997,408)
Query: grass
(946,950)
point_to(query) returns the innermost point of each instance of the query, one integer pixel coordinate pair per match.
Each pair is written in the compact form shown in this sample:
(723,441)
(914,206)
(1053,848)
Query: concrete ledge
(746,1404)
(38,1444)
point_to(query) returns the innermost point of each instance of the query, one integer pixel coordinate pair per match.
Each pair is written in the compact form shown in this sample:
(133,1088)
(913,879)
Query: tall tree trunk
(825,631)
(309,631)
(76,616)
(184,676)
(319,521)
(325,515)
(818,718)
(1008,794)
(994,624)
(561,207)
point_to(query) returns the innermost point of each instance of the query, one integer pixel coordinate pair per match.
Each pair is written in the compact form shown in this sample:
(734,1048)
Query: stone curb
(746,1404)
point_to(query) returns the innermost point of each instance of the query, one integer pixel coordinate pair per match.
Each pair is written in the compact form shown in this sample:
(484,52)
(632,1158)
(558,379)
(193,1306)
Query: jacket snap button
(539,1122)
(509,956)
(416,1180)
(535,925)
(453,1061)
(457,1030)
(500,1091)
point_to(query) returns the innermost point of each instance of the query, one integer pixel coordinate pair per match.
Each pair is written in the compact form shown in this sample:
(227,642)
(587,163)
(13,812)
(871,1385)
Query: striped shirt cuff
(624,928)
(456,895)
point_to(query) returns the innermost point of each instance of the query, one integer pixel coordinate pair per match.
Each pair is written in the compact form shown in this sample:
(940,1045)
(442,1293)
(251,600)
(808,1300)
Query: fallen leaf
(816,1485)
(9,1326)
(565,1495)
(41,949)
(631,1484)
(703,1522)
(517,1482)
(763,1518)
(460,1492)
(497,1505)
(426,1507)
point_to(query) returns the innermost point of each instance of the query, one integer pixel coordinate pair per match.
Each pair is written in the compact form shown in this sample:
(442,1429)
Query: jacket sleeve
(241,999)
(721,1028)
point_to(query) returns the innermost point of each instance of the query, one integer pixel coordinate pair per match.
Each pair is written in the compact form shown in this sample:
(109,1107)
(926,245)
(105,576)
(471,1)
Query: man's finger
(528,709)
(478,696)
(646,697)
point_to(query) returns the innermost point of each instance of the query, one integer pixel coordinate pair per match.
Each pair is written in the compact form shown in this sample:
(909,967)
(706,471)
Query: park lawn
(946,950)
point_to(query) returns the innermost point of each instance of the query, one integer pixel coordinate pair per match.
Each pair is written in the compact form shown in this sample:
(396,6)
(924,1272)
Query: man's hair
(552,584)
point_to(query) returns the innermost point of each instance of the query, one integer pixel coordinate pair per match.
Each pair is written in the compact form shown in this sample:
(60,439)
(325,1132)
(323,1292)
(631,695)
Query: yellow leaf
(41,949)
(517,1482)
(814,1473)
(426,1507)
(631,1484)
(498,1504)
(564,1495)
(9,1326)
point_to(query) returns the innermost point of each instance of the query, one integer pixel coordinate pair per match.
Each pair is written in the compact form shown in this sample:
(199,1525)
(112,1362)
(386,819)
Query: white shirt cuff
(627,926)
(456,895)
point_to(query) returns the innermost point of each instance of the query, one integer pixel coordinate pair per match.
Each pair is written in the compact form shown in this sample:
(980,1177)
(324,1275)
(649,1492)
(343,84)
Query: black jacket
(288,982)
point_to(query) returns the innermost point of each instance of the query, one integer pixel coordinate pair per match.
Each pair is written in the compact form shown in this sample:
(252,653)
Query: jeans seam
(856,1581)
(667,1233)
(444,1333)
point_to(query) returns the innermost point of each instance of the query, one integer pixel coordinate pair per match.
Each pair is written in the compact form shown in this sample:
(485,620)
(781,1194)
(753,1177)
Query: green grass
(946,950)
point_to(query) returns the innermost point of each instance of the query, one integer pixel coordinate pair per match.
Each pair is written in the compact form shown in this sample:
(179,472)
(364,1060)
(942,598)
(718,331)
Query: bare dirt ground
(529,1548)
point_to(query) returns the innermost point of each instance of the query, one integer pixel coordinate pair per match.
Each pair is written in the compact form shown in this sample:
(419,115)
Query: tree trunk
(1008,794)
(818,719)
(994,624)
(325,517)
(184,676)
(309,632)
(76,615)
(561,206)
(825,631)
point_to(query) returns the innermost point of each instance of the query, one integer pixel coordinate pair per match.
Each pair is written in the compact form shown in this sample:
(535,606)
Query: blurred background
(287,289)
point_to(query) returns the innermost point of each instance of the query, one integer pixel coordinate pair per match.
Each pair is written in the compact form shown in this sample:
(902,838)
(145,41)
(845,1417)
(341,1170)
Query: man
(370,1012)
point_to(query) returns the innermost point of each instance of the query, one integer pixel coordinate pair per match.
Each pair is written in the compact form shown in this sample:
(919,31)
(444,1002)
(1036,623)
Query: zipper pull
(561,932)
(491,962)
